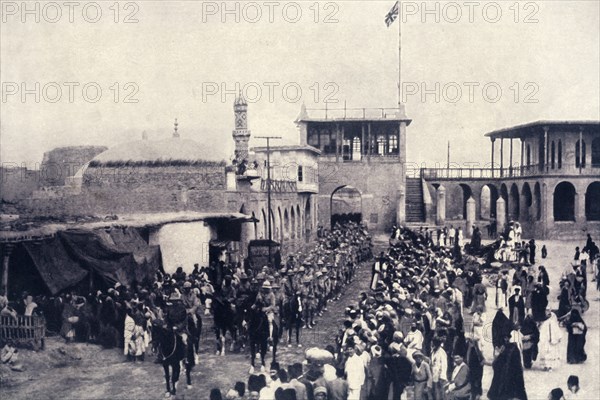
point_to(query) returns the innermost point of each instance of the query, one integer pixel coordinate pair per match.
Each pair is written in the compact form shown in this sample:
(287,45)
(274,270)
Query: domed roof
(169,150)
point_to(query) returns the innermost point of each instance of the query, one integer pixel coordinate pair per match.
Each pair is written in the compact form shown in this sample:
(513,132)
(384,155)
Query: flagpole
(400,106)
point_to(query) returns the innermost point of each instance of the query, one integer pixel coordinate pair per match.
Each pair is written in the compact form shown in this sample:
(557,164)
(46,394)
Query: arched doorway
(286,224)
(254,226)
(467,193)
(564,202)
(273,227)
(504,195)
(265,226)
(279,224)
(527,201)
(537,201)
(513,209)
(592,202)
(299,227)
(487,201)
(457,203)
(346,205)
(293,223)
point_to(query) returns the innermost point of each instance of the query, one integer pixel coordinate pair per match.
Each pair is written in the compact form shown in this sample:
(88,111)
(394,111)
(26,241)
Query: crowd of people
(419,331)
(292,295)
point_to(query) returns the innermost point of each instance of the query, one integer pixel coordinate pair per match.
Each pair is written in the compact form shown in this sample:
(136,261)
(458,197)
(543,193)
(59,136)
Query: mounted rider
(267,303)
(176,315)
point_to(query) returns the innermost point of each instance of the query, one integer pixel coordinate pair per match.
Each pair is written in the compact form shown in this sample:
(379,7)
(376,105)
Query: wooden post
(580,149)
(362,140)
(502,157)
(337,143)
(493,141)
(510,167)
(6,251)
(545,149)
(369,138)
(522,148)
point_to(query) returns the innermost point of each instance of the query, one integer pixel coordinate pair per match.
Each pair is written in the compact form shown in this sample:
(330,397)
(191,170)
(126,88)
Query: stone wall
(17,183)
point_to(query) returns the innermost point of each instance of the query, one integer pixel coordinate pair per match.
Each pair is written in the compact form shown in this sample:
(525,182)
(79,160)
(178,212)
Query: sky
(185,59)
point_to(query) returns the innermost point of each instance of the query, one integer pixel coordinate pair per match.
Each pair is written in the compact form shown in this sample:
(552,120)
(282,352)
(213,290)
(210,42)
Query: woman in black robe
(564,300)
(474,359)
(539,302)
(531,337)
(501,327)
(576,345)
(508,382)
(543,276)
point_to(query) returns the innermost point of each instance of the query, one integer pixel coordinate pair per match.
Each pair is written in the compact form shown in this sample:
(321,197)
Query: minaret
(175,133)
(241,134)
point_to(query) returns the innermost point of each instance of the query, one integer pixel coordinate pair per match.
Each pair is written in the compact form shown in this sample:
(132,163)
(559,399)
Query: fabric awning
(123,262)
(58,270)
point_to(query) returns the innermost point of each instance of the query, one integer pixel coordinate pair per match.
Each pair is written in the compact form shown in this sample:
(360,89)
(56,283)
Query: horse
(293,319)
(224,319)
(258,335)
(171,352)
(195,330)
(243,305)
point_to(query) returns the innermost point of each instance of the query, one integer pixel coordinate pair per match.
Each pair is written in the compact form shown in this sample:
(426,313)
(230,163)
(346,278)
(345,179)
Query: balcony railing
(352,113)
(508,172)
(278,186)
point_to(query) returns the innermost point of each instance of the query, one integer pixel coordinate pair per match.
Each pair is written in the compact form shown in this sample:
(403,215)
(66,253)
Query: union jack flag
(392,15)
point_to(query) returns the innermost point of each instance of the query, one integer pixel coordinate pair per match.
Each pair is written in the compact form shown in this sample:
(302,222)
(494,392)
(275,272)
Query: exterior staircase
(415,207)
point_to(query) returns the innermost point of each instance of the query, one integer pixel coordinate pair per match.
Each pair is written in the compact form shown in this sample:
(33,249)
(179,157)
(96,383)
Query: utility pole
(448,158)
(268,138)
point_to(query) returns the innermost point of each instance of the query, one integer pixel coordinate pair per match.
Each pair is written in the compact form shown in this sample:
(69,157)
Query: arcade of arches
(291,222)
(523,200)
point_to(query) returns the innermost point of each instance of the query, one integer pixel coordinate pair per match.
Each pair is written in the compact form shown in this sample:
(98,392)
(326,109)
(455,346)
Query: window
(528,156)
(552,155)
(393,144)
(313,138)
(325,141)
(300,177)
(381,144)
(374,218)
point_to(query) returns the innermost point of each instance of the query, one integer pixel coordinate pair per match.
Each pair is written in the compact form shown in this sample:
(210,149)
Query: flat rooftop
(352,115)
(537,127)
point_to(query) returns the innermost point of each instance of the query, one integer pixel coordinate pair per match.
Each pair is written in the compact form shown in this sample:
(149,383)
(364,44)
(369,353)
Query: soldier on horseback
(267,303)
(177,315)
(191,302)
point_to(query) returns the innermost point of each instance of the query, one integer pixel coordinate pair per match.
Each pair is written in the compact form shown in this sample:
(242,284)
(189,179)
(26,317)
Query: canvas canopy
(58,270)
(125,262)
